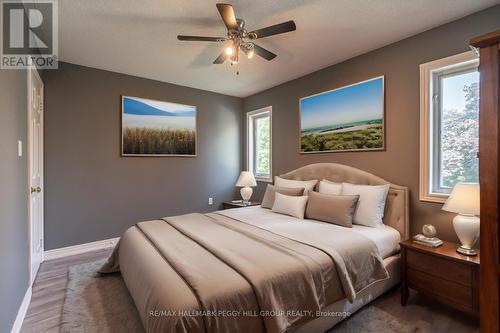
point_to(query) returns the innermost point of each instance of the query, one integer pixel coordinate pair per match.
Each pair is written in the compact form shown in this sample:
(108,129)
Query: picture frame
(152,128)
(350,118)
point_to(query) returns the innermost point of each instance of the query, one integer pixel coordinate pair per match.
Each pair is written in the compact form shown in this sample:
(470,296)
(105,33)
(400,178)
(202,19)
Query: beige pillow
(290,205)
(328,187)
(336,209)
(268,200)
(290,183)
(371,205)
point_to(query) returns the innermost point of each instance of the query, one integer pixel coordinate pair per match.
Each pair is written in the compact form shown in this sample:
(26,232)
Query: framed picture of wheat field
(350,118)
(157,128)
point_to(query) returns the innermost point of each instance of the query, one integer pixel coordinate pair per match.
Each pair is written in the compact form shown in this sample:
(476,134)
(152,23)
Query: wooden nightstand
(441,273)
(230,204)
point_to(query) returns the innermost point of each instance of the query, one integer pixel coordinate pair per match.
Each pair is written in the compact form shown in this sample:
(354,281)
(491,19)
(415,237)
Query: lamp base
(246,194)
(467,229)
(466,251)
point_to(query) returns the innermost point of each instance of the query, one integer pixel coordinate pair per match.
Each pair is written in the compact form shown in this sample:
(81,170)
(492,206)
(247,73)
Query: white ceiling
(139,37)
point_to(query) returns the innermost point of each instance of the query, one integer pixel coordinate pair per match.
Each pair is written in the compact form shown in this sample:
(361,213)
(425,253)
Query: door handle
(36,189)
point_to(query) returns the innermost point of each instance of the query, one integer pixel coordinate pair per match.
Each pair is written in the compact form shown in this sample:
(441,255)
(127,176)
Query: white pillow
(308,185)
(290,205)
(371,204)
(328,187)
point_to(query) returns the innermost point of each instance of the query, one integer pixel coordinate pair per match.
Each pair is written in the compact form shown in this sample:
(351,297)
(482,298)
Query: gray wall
(399,63)
(14,252)
(91,192)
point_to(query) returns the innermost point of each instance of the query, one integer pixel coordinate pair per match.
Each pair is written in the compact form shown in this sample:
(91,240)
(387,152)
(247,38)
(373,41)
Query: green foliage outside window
(262,149)
(459,141)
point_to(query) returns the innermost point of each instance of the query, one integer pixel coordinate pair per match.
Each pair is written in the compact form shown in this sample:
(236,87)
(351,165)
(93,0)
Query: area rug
(371,319)
(97,303)
(102,304)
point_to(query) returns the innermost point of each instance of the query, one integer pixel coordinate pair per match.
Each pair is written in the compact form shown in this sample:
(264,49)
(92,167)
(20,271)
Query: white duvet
(385,238)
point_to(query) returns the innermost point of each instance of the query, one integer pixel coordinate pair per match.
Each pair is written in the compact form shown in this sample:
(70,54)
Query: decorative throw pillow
(268,200)
(290,205)
(370,210)
(328,187)
(336,209)
(308,185)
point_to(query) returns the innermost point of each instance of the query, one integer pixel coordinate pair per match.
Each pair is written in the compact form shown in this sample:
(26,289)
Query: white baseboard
(18,323)
(81,248)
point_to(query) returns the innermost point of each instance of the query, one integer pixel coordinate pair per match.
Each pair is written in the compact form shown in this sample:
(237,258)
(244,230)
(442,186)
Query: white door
(35,149)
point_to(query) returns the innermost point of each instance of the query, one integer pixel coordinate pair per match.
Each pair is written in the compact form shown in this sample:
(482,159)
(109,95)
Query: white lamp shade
(246,178)
(464,199)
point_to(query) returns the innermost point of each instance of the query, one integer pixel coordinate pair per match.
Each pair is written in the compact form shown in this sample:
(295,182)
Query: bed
(253,270)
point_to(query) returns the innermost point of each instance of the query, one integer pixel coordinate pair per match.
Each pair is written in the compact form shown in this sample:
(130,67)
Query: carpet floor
(102,304)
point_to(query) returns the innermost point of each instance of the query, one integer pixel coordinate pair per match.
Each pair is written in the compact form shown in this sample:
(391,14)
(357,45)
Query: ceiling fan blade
(227,13)
(273,30)
(221,58)
(201,38)
(268,55)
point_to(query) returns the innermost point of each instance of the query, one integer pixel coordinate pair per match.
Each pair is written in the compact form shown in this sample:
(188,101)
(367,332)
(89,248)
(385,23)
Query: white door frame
(28,153)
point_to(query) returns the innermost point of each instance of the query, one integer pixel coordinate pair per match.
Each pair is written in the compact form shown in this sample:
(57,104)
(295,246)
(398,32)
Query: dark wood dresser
(441,273)
(489,176)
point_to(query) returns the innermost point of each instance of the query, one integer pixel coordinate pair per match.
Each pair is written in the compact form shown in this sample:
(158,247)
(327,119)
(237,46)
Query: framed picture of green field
(350,118)
(157,128)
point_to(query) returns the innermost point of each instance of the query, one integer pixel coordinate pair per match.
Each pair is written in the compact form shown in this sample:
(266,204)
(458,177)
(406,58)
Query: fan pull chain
(237,71)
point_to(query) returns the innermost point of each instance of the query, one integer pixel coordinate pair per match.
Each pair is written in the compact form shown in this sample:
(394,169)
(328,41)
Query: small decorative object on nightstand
(464,200)
(238,204)
(429,230)
(246,181)
(429,236)
(441,273)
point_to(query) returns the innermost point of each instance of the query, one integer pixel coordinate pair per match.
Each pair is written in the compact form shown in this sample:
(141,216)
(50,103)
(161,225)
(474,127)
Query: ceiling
(139,37)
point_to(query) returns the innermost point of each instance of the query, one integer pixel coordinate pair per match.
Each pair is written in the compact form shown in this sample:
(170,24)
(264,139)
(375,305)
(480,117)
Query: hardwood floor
(44,311)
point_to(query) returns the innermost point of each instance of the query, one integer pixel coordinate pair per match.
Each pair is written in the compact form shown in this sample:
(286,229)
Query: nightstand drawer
(435,266)
(449,292)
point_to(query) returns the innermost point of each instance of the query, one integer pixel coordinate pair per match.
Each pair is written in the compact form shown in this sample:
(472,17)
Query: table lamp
(246,181)
(464,200)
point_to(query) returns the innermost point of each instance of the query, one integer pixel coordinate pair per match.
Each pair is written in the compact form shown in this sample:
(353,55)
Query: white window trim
(426,119)
(249,143)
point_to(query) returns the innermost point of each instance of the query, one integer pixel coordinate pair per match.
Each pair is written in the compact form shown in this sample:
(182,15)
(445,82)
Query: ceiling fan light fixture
(239,39)
(248,50)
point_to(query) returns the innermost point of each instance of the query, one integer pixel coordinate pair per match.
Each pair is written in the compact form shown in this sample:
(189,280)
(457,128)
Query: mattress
(385,238)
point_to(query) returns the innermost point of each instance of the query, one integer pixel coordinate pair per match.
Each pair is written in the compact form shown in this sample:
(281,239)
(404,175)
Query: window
(259,142)
(449,125)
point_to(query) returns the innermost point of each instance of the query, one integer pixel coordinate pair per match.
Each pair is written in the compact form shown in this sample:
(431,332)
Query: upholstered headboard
(397,210)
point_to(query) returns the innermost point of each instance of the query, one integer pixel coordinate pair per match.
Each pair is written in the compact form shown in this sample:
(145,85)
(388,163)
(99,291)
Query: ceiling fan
(240,38)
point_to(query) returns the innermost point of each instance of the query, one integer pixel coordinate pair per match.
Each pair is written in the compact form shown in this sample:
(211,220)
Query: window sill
(434,197)
(264,180)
